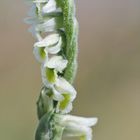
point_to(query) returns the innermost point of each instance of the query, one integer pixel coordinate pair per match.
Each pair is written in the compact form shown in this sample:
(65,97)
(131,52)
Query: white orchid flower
(51,7)
(76,126)
(57,63)
(69,94)
(50,25)
(64,86)
(49,45)
(43,25)
(65,93)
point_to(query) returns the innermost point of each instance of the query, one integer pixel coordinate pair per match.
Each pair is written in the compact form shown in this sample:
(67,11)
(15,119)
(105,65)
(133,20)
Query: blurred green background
(108,79)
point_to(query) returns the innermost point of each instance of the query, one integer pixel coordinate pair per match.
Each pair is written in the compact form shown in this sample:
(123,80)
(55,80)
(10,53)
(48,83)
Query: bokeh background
(108,79)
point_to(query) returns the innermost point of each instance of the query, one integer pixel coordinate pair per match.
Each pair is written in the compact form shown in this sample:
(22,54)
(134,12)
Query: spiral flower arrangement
(55,27)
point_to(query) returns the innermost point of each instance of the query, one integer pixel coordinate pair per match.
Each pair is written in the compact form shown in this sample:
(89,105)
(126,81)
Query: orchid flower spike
(54,25)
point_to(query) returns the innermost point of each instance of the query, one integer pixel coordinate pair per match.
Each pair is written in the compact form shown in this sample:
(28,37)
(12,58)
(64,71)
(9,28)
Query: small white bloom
(49,45)
(80,120)
(50,6)
(76,126)
(50,25)
(69,94)
(50,40)
(76,130)
(57,63)
(64,86)
(56,48)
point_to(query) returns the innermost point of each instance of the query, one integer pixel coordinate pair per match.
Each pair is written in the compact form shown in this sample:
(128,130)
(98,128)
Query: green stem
(71,31)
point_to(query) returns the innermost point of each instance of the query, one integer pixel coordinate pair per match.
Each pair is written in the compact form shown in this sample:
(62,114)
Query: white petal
(76,126)
(50,25)
(56,48)
(65,87)
(74,130)
(80,120)
(56,62)
(50,6)
(57,95)
(48,41)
